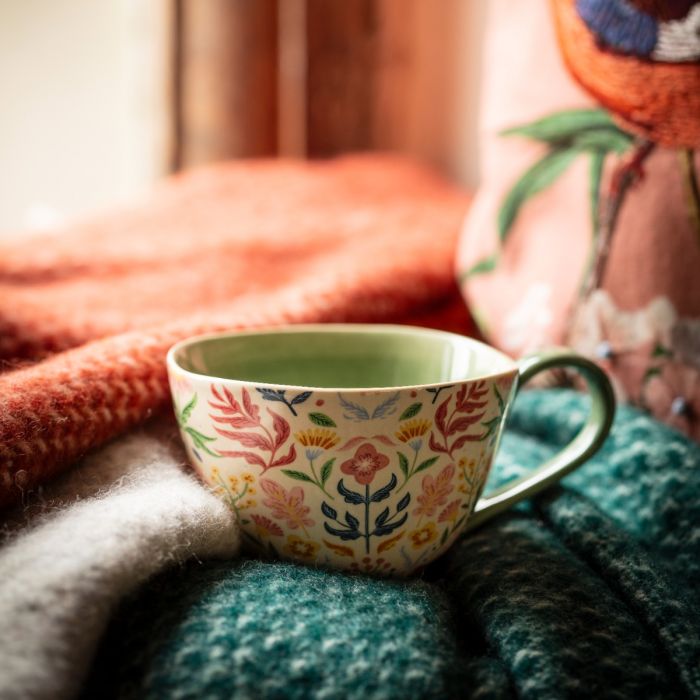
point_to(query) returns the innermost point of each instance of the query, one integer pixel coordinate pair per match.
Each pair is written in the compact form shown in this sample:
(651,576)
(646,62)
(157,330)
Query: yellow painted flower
(214,472)
(317,437)
(251,490)
(316,440)
(462,488)
(423,535)
(233,482)
(298,547)
(412,429)
(248,503)
(248,478)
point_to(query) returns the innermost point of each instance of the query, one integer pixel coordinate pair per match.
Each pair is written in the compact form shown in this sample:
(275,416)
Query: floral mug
(361,447)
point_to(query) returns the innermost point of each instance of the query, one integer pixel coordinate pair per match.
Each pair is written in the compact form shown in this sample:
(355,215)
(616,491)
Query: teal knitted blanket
(592,591)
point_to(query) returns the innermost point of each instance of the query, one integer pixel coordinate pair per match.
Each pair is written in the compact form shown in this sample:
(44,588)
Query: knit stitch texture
(128,512)
(365,238)
(591,591)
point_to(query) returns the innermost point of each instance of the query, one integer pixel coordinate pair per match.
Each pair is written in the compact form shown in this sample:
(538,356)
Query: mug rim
(329,328)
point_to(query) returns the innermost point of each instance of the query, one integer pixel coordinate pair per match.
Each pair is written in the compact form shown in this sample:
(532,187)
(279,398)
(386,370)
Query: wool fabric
(256,243)
(129,511)
(590,591)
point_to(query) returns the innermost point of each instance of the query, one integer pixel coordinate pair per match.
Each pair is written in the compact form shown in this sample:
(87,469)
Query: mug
(361,447)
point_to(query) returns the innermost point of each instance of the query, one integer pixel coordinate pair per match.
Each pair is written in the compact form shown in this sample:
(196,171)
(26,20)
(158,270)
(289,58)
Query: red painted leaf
(463,439)
(247,439)
(250,408)
(435,446)
(249,457)
(234,421)
(353,442)
(287,459)
(281,428)
(461,394)
(461,424)
(231,399)
(469,406)
(441,414)
(224,409)
(383,439)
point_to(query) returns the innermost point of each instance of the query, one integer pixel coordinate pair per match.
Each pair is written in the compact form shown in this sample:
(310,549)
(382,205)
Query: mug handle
(583,446)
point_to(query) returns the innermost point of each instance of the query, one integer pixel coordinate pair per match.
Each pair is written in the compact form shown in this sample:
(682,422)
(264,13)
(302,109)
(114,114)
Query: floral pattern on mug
(375,482)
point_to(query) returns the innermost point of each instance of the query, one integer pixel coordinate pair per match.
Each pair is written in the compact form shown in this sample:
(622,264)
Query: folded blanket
(245,244)
(592,591)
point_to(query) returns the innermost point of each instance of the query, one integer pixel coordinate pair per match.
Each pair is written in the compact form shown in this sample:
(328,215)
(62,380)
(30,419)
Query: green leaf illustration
(561,127)
(650,374)
(595,174)
(426,464)
(661,351)
(411,411)
(484,265)
(326,471)
(535,179)
(187,410)
(403,464)
(443,539)
(322,419)
(299,476)
(602,140)
(499,398)
(201,440)
(491,426)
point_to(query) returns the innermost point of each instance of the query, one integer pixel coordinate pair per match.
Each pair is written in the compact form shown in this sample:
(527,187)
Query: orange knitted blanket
(87,315)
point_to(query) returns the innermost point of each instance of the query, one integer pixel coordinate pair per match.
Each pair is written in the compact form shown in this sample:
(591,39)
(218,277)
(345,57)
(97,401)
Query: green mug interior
(341,357)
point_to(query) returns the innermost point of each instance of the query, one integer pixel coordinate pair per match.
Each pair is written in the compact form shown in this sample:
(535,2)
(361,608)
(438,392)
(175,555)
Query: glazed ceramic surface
(357,447)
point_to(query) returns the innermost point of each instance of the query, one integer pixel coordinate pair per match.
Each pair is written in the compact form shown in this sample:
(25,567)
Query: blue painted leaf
(384,492)
(403,464)
(300,398)
(349,496)
(381,518)
(343,534)
(271,395)
(354,411)
(390,527)
(403,503)
(386,407)
(426,464)
(322,419)
(352,521)
(329,512)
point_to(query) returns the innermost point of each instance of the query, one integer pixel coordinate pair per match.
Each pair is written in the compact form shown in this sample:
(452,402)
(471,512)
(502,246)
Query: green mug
(361,447)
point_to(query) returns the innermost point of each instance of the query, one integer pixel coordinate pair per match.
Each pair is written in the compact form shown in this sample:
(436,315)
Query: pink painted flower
(286,505)
(436,491)
(365,464)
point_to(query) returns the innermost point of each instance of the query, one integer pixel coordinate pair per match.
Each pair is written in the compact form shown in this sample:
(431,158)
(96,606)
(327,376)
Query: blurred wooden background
(104,98)
(316,78)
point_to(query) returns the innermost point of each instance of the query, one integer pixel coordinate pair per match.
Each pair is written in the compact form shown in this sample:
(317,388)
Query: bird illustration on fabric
(657,30)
